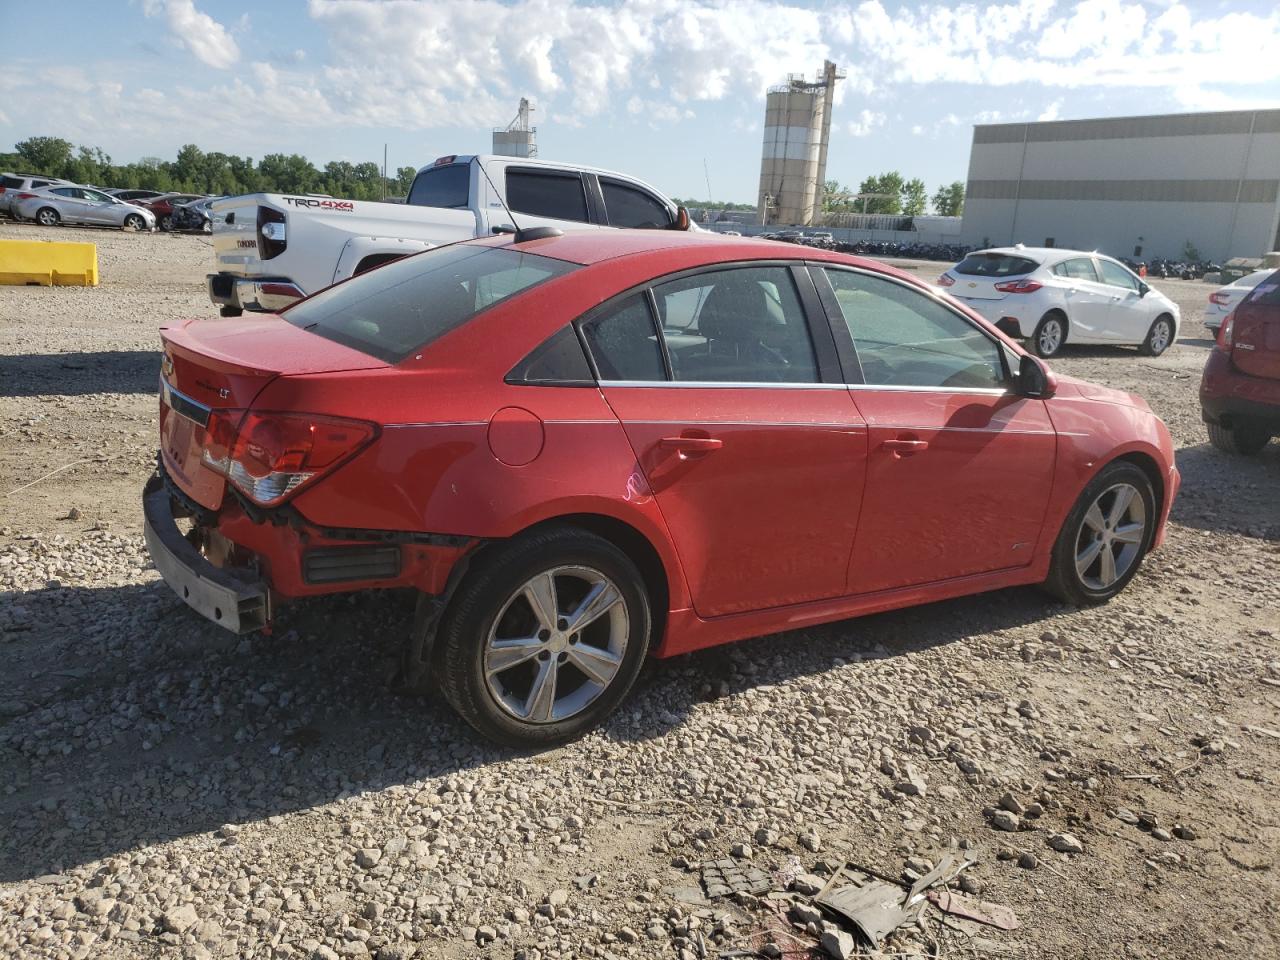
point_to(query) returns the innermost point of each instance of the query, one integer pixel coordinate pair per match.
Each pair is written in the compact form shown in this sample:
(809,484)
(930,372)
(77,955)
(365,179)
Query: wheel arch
(1148,465)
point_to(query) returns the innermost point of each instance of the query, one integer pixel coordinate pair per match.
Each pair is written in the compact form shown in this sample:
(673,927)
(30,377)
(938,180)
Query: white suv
(1053,297)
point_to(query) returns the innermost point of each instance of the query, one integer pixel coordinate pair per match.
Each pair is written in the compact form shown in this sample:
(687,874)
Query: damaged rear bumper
(233,598)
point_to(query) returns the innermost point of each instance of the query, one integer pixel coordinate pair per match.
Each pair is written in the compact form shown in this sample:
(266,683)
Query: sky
(671,91)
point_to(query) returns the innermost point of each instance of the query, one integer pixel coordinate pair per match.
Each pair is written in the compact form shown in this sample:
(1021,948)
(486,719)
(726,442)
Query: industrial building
(797,128)
(518,138)
(1129,186)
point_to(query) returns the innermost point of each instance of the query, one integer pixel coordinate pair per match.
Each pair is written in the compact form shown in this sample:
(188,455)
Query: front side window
(628,206)
(556,196)
(399,308)
(1079,268)
(1117,276)
(448,186)
(907,339)
(624,343)
(744,325)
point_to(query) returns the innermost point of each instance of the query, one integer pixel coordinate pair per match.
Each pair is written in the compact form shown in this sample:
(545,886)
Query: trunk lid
(978,273)
(1255,335)
(223,364)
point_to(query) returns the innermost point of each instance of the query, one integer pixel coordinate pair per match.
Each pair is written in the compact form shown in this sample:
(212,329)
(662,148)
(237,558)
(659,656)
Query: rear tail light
(1019,286)
(946,281)
(1220,299)
(272,235)
(270,456)
(24,196)
(1224,333)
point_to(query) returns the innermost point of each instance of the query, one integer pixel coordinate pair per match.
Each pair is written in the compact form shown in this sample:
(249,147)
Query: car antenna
(521,233)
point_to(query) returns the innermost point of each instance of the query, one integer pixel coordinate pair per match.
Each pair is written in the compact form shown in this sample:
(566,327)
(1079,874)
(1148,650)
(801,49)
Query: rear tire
(48,217)
(491,618)
(1050,335)
(230,311)
(166,223)
(1159,337)
(1116,515)
(1245,440)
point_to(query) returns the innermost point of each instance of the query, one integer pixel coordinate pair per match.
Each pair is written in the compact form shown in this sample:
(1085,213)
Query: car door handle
(904,448)
(690,446)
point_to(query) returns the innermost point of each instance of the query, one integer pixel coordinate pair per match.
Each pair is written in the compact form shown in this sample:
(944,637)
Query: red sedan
(587,449)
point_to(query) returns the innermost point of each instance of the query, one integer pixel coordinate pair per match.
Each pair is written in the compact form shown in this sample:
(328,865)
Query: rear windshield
(399,308)
(10,183)
(442,187)
(995,265)
(1268,291)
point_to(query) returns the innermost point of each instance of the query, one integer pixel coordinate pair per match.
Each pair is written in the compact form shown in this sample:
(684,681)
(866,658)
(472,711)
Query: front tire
(1159,337)
(1244,440)
(134,222)
(166,222)
(1105,537)
(1050,335)
(544,638)
(48,217)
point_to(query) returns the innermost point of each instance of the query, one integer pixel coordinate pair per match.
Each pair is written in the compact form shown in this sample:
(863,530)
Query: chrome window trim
(735,385)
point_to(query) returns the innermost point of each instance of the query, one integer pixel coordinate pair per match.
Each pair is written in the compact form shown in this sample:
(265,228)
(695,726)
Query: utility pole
(707,174)
(385,188)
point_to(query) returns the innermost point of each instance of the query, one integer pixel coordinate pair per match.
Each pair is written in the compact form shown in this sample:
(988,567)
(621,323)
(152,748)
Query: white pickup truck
(272,249)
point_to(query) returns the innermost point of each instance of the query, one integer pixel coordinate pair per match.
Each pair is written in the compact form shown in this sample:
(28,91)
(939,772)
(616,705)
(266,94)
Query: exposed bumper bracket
(231,598)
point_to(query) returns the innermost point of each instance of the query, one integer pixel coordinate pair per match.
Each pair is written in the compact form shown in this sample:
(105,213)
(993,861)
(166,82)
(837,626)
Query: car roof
(588,247)
(1043,254)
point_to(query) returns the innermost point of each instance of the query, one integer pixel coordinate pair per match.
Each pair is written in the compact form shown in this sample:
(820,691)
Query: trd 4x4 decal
(342,206)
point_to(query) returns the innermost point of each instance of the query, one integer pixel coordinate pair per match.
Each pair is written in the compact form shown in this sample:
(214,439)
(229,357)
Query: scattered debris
(724,877)
(1066,843)
(992,914)
(1263,731)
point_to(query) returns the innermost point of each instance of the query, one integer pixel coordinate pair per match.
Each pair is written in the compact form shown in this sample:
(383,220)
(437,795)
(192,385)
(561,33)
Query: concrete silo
(518,138)
(797,126)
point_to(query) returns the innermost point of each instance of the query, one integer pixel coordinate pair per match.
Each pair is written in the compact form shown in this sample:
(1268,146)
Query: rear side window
(1081,268)
(448,187)
(995,265)
(556,196)
(624,343)
(65,192)
(399,308)
(627,206)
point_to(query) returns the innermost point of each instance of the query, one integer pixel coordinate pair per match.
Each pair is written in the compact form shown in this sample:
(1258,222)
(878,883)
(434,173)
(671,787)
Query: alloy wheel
(47,218)
(1161,334)
(1050,337)
(1111,536)
(556,645)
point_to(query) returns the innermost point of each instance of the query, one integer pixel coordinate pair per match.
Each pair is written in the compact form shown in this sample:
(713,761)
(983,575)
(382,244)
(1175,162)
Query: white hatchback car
(1053,297)
(1225,299)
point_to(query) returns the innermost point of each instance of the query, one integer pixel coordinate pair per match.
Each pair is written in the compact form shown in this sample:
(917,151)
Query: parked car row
(50,201)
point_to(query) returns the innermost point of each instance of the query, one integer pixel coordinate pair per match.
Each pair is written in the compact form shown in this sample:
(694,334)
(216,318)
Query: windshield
(399,308)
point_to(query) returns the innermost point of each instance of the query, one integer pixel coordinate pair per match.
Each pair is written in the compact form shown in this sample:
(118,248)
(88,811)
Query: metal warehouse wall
(1211,179)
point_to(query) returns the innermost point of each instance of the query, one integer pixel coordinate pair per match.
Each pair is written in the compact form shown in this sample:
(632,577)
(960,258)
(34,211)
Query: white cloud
(866,122)
(1051,112)
(206,39)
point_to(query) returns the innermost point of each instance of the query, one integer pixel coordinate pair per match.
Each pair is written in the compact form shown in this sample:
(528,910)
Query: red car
(163,205)
(1240,388)
(583,450)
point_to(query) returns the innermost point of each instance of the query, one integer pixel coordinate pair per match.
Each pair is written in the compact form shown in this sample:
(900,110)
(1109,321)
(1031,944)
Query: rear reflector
(340,564)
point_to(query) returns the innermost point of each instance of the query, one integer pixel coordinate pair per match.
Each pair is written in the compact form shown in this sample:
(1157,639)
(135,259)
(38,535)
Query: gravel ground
(168,790)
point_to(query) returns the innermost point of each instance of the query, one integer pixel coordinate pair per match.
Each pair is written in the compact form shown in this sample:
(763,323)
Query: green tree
(835,196)
(915,197)
(44,154)
(949,200)
(403,180)
(291,174)
(891,185)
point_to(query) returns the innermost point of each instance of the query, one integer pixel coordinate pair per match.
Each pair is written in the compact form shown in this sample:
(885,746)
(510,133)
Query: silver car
(50,206)
(12,184)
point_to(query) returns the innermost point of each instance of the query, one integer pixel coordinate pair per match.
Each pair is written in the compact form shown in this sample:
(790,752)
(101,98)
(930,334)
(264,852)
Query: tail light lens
(1019,286)
(272,236)
(24,196)
(1220,299)
(946,281)
(1224,333)
(270,456)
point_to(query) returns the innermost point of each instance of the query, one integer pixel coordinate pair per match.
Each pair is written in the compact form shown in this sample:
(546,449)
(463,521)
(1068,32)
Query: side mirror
(1009,327)
(681,221)
(1035,379)
(1143,290)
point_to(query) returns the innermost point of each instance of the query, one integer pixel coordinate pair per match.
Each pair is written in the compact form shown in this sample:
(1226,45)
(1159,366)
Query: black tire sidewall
(1035,337)
(1064,553)
(56,218)
(1147,347)
(458,653)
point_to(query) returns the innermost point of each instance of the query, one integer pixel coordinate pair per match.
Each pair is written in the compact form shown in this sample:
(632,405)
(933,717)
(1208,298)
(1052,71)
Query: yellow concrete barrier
(47,263)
